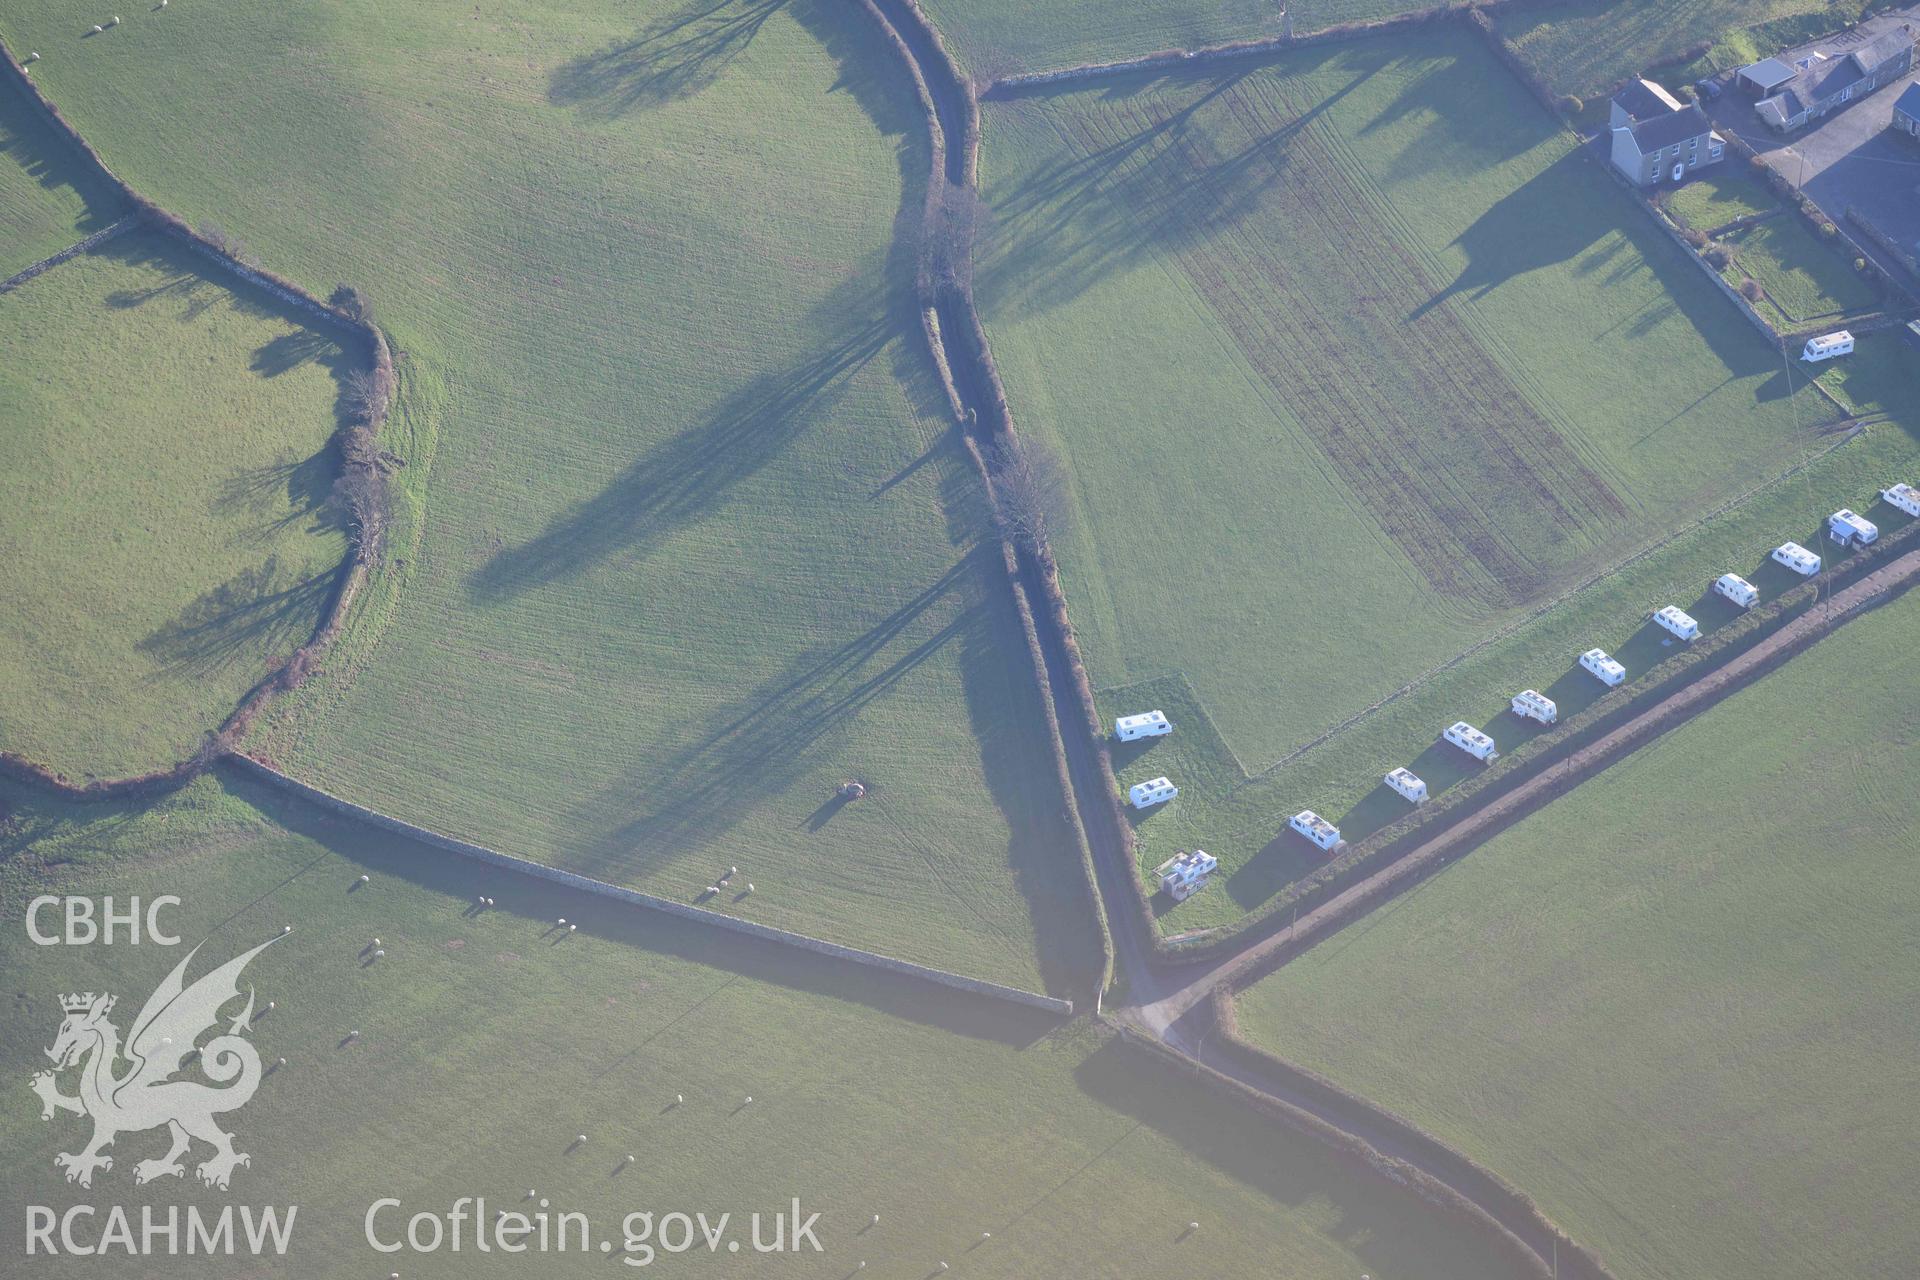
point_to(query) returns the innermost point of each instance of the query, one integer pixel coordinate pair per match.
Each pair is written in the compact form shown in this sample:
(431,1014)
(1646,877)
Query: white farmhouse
(1145,795)
(1408,785)
(1737,589)
(1828,345)
(1847,528)
(1531,704)
(1602,667)
(1471,740)
(1316,828)
(1676,622)
(1185,874)
(1902,497)
(1149,724)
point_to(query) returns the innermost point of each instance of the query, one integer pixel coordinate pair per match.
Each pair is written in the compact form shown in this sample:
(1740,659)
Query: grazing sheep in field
(97,28)
(379,955)
(33,57)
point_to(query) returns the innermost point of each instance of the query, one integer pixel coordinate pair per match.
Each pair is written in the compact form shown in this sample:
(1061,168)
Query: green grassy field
(1720,195)
(164,532)
(1349,387)
(1673,1006)
(687,538)
(48,199)
(487,1043)
(1586,47)
(1804,279)
(994,38)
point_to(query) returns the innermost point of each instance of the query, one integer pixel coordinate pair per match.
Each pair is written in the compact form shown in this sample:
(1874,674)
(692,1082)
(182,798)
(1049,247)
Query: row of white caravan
(1186,873)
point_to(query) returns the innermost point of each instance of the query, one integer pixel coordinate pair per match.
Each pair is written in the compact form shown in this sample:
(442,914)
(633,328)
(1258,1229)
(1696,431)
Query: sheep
(876,1220)
(114,21)
(366,879)
(279,1062)
(379,955)
(563,922)
(986,1235)
(33,57)
(97,28)
(285,929)
(748,1102)
(531,1193)
(271,1006)
(1193,1226)
(749,886)
(629,1159)
(573,928)
(376,942)
(679,1098)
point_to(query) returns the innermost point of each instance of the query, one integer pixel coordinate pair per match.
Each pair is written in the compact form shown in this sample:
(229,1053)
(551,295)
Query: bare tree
(365,396)
(226,242)
(951,230)
(360,496)
(1030,492)
(351,303)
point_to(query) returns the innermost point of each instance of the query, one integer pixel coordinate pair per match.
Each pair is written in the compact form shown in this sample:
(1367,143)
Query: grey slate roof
(1640,102)
(1908,103)
(1674,126)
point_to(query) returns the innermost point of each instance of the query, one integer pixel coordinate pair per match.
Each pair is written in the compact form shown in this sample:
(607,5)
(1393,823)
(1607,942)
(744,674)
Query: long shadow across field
(673,57)
(762,744)
(255,614)
(1174,182)
(681,480)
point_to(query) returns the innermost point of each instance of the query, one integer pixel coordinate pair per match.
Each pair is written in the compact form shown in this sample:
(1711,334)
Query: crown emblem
(77,1003)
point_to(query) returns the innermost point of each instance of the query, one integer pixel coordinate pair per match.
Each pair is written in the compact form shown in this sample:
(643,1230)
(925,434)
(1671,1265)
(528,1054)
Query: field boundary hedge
(785,937)
(1576,1262)
(67,254)
(361,551)
(966,418)
(1356,1151)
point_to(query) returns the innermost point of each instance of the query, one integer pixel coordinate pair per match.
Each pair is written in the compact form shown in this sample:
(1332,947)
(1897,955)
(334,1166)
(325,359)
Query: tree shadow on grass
(282,494)
(256,613)
(763,744)
(291,350)
(681,480)
(1201,162)
(671,58)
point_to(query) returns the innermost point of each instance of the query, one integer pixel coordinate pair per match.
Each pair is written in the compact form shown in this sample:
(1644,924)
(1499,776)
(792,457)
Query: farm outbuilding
(1676,622)
(1764,77)
(1148,724)
(1531,704)
(1185,874)
(1145,795)
(1828,345)
(1848,529)
(1601,666)
(1316,828)
(1902,497)
(1737,589)
(1797,558)
(1408,785)
(1471,740)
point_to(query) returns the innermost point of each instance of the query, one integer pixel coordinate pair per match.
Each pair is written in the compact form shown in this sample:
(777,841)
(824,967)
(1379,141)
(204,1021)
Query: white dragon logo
(147,1096)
